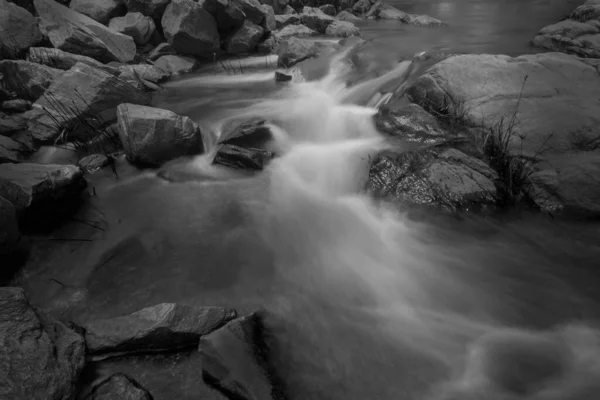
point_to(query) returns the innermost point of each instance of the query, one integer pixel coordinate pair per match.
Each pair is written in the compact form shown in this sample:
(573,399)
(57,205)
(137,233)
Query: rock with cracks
(19,29)
(119,386)
(99,10)
(76,33)
(190,29)
(152,136)
(136,25)
(39,357)
(59,59)
(11,151)
(162,327)
(29,80)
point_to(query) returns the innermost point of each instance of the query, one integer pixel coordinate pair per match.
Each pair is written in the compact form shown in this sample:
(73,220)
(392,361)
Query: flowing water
(363,301)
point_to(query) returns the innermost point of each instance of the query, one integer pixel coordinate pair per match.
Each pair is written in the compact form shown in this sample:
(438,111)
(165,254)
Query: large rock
(269,23)
(522,100)
(19,29)
(316,19)
(151,136)
(245,39)
(342,29)
(234,360)
(162,327)
(243,158)
(136,25)
(293,50)
(9,234)
(147,72)
(119,386)
(59,59)
(99,10)
(39,357)
(381,10)
(89,93)
(293,31)
(278,5)
(284,20)
(76,33)
(448,179)
(252,9)
(10,151)
(579,34)
(163,49)
(151,8)
(347,16)
(176,65)
(190,29)
(228,15)
(29,80)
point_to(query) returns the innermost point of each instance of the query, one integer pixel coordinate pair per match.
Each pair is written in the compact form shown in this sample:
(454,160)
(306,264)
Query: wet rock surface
(38,356)
(233,156)
(119,386)
(176,65)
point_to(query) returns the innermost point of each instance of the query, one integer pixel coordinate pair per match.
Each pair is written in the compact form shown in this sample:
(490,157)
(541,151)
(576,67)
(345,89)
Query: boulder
(165,326)
(410,123)
(9,234)
(267,46)
(252,9)
(316,19)
(163,49)
(99,10)
(92,163)
(287,10)
(237,157)
(39,357)
(278,5)
(234,360)
(381,10)
(29,80)
(281,77)
(176,65)
(347,16)
(119,386)
(245,39)
(10,124)
(448,179)
(91,94)
(285,20)
(228,15)
(136,25)
(151,136)
(293,30)
(342,29)
(151,8)
(146,72)
(571,36)
(10,151)
(19,29)
(293,50)
(16,106)
(76,33)
(345,4)
(587,11)
(190,29)
(59,59)
(361,6)
(521,102)
(328,9)
(269,23)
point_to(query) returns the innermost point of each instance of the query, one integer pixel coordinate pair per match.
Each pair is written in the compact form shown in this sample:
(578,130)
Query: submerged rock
(190,29)
(19,29)
(233,360)
(39,357)
(136,25)
(119,386)
(254,133)
(9,234)
(77,33)
(99,10)
(245,39)
(294,50)
(152,136)
(237,157)
(29,80)
(162,327)
(176,65)
(59,59)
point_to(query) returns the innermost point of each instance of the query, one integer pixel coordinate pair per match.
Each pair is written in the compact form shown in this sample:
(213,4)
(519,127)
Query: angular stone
(29,80)
(328,9)
(151,136)
(316,19)
(157,328)
(347,16)
(119,386)
(245,39)
(19,29)
(10,151)
(89,93)
(136,25)
(237,157)
(190,29)
(252,9)
(99,10)
(39,357)
(381,10)
(92,163)
(294,50)
(269,22)
(281,77)
(285,20)
(16,106)
(342,29)
(163,49)
(150,8)
(9,234)
(59,59)
(10,124)
(176,65)
(410,123)
(147,72)
(293,30)
(287,10)
(76,33)
(228,15)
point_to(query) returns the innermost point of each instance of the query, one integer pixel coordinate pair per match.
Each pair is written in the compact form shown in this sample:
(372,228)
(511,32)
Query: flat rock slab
(119,386)
(39,357)
(165,326)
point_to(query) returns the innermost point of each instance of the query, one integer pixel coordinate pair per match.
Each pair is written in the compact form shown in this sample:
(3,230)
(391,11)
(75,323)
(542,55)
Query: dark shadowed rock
(294,50)
(281,77)
(228,15)
(285,20)
(157,328)
(119,386)
(245,39)
(234,361)
(190,29)
(92,163)
(151,8)
(76,33)
(16,106)
(254,133)
(59,59)
(342,29)
(448,179)
(152,136)
(19,29)
(328,9)
(316,19)
(163,49)
(362,7)
(89,92)
(293,31)
(136,25)
(288,10)
(147,72)
(39,357)
(267,46)
(29,80)
(238,157)
(9,234)
(176,65)
(252,9)
(99,10)
(347,16)
(10,124)
(269,22)
(11,151)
